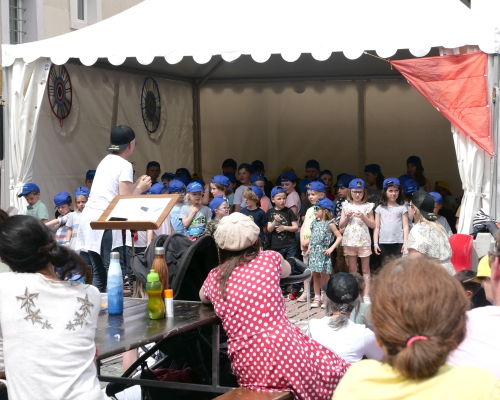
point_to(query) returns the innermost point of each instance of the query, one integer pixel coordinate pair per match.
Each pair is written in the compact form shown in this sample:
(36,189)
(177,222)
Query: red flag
(457,86)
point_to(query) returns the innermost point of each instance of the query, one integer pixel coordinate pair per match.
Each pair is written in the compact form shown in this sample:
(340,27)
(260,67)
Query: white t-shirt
(444,223)
(481,346)
(110,172)
(48,331)
(351,343)
(142,239)
(238,196)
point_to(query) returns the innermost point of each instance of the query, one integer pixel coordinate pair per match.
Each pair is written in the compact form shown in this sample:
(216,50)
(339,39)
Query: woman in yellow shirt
(418,313)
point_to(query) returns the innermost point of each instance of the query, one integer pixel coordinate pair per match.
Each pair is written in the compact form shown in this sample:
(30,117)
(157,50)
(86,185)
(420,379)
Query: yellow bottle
(156,307)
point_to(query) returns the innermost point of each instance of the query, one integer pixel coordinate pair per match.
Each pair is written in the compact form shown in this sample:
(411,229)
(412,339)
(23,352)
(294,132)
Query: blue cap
(168,175)
(390,182)
(157,188)
(357,184)
(229,163)
(373,168)
(248,167)
(28,188)
(61,199)
(194,187)
(200,181)
(257,190)
(82,191)
(410,186)
(153,164)
(325,172)
(438,199)
(288,176)
(232,177)
(257,176)
(175,186)
(276,190)
(404,178)
(183,171)
(90,174)
(312,164)
(316,186)
(183,178)
(257,165)
(414,160)
(216,202)
(325,203)
(344,180)
(222,180)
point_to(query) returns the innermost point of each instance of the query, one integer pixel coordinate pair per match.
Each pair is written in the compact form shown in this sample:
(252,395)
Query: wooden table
(136,330)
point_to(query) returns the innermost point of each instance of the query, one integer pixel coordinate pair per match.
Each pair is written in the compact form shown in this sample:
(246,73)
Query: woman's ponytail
(68,263)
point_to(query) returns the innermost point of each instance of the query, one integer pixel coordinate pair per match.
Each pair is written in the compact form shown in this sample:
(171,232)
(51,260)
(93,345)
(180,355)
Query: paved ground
(297,312)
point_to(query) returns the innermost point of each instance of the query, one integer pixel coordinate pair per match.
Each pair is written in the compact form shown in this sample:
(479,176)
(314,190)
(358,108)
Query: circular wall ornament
(150,105)
(59,91)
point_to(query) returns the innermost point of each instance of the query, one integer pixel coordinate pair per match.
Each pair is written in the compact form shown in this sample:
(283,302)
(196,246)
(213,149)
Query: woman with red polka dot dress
(267,352)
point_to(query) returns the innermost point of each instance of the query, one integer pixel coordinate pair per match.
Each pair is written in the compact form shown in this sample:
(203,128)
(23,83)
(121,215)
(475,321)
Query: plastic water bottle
(115,285)
(156,306)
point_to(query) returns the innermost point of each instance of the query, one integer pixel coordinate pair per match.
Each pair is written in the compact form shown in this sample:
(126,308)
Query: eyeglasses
(223,208)
(316,208)
(357,192)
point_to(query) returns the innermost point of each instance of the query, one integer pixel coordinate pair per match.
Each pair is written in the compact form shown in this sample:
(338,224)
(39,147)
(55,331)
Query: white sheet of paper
(140,209)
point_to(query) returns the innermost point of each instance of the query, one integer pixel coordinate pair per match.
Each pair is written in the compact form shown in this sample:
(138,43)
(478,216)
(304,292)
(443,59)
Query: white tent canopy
(227,40)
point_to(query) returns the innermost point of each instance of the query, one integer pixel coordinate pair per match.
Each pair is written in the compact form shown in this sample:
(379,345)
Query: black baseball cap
(120,138)
(342,288)
(425,204)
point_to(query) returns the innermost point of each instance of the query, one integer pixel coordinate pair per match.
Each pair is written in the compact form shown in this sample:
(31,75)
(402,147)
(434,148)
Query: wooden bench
(242,393)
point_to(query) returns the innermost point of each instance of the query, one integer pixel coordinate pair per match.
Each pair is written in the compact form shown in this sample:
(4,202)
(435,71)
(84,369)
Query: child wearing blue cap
(282,225)
(289,182)
(81,197)
(219,186)
(415,169)
(343,180)
(194,215)
(357,217)
(220,209)
(312,171)
(166,228)
(323,230)
(327,178)
(63,204)
(177,187)
(167,177)
(258,179)
(438,203)
(252,198)
(244,173)
(391,222)
(35,207)
(89,178)
(374,180)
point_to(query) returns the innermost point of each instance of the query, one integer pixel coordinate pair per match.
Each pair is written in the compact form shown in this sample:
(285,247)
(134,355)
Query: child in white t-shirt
(194,215)
(81,198)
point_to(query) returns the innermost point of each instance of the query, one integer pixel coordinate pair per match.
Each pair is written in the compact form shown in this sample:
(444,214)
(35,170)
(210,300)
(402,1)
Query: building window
(81,12)
(16,21)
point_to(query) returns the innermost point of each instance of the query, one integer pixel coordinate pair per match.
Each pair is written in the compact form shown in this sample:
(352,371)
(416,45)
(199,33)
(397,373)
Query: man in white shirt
(481,347)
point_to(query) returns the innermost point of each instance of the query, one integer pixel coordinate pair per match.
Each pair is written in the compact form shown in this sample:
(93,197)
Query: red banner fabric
(457,86)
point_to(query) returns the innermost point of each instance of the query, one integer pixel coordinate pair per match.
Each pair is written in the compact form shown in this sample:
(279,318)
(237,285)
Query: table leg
(215,355)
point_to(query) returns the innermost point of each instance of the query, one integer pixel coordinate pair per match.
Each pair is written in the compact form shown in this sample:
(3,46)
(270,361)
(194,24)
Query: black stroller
(188,265)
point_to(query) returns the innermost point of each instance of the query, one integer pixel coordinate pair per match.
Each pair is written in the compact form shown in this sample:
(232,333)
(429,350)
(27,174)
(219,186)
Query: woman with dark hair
(428,237)
(418,313)
(415,169)
(267,352)
(47,323)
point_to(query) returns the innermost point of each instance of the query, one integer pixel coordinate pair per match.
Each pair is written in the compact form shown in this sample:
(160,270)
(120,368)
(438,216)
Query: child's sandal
(316,303)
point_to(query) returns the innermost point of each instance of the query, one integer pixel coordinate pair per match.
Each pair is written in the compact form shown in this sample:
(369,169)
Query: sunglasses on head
(317,208)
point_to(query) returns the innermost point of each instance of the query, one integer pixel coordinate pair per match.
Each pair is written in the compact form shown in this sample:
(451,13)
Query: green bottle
(156,306)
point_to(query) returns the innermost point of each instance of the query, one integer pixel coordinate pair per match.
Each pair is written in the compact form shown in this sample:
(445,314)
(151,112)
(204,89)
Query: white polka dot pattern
(268,352)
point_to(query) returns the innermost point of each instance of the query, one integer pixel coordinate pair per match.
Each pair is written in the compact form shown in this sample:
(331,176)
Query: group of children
(307,217)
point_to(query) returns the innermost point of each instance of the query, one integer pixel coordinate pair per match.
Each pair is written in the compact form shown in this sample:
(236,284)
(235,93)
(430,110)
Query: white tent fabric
(24,93)
(175,29)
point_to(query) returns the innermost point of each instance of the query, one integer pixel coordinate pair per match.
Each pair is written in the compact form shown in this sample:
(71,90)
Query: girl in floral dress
(357,217)
(323,230)
(267,351)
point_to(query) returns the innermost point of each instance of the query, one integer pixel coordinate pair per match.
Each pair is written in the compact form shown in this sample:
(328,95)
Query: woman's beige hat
(236,232)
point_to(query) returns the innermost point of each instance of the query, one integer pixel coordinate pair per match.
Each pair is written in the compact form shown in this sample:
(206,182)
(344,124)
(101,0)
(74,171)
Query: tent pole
(494,137)
(361,86)
(196,129)
(5,178)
